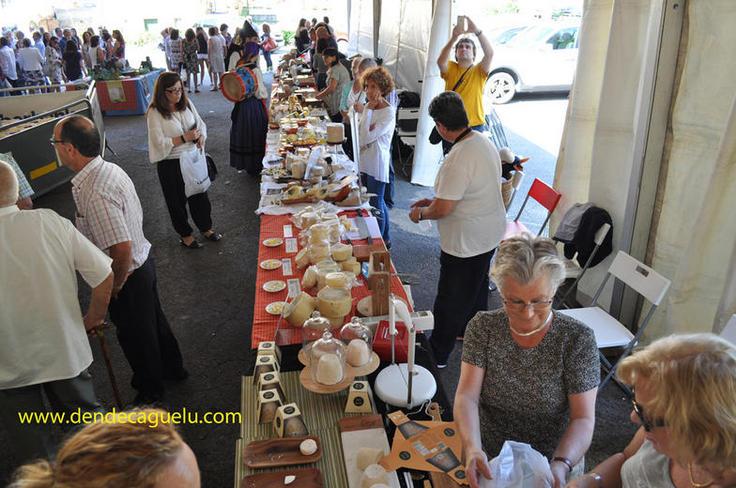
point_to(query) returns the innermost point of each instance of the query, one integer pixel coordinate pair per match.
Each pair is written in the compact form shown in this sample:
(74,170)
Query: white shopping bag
(518,465)
(194,171)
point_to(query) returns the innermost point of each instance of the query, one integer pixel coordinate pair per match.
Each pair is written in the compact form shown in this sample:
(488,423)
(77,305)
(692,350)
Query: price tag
(286,267)
(291,245)
(294,287)
(288,231)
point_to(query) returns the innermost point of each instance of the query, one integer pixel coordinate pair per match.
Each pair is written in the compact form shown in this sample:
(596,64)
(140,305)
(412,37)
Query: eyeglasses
(174,90)
(53,141)
(647,423)
(521,306)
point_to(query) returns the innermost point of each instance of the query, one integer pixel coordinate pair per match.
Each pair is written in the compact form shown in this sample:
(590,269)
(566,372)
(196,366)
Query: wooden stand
(288,422)
(359,398)
(379,281)
(271,381)
(269,348)
(268,402)
(264,364)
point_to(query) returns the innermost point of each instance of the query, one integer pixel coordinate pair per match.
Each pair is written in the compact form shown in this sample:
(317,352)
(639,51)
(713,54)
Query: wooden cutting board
(363,431)
(271,453)
(305,478)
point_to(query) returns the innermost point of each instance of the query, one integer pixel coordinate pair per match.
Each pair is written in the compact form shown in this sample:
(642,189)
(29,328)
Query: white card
(294,287)
(291,245)
(288,231)
(286,267)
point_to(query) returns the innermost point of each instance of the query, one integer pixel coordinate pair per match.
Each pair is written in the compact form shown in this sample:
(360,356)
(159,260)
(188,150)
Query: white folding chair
(407,120)
(729,331)
(609,332)
(573,269)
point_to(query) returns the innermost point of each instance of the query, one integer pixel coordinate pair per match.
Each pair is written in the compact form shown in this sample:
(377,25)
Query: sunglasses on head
(646,422)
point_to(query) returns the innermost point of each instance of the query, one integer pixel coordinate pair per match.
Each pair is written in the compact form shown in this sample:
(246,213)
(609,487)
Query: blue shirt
(41,47)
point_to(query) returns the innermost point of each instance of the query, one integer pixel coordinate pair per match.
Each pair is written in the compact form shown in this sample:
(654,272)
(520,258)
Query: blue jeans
(379,188)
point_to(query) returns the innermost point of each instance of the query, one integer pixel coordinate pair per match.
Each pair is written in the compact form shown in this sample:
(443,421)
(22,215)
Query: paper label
(286,267)
(291,245)
(294,287)
(288,231)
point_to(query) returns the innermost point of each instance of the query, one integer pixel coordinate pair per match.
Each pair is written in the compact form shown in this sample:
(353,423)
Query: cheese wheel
(337,280)
(302,259)
(335,133)
(373,475)
(341,252)
(351,265)
(308,447)
(309,279)
(368,456)
(318,253)
(329,369)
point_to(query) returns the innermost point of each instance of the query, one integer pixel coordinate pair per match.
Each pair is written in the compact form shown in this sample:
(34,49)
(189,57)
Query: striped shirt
(108,209)
(24,188)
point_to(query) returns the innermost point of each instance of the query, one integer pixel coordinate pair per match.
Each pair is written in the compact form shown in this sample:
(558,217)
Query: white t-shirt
(471,175)
(43,337)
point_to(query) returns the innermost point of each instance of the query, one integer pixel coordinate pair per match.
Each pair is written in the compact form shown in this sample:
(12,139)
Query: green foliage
(288,37)
(500,7)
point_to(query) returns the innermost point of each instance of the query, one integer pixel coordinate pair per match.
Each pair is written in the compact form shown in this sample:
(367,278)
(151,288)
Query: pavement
(208,294)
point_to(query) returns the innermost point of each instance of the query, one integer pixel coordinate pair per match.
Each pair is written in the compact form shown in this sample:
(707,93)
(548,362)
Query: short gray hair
(525,258)
(8,185)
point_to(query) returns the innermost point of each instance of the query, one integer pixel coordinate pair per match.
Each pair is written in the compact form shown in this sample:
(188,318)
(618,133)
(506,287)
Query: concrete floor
(208,294)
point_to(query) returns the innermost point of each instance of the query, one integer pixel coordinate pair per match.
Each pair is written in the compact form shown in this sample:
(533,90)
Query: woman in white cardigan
(174,127)
(376,129)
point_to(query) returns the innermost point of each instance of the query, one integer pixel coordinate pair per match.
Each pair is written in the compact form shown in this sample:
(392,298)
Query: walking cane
(106,354)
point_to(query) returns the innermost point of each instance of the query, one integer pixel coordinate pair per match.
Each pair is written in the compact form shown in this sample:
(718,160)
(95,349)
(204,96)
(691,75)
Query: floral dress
(53,65)
(190,56)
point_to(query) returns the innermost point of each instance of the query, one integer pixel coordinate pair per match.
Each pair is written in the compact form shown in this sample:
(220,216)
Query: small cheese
(329,369)
(358,353)
(308,447)
(289,479)
(302,259)
(373,475)
(310,277)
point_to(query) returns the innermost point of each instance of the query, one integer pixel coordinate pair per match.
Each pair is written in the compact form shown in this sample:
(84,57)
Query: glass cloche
(359,342)
(327,360)
(312,330)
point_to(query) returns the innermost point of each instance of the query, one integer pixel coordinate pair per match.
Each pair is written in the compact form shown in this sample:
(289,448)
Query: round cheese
(308,447)
(329,369)
(373,475)
(358,353)
(341,252)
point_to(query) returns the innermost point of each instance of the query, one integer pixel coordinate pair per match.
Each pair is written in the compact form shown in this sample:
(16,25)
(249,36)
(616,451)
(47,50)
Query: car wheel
(502,87)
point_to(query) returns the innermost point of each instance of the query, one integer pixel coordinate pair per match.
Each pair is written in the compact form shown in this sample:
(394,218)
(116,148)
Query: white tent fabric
(692,236)
(695,235)
(361,28)
(427,157)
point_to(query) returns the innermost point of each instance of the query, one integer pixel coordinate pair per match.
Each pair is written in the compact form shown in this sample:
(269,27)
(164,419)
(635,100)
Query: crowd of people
(53,58)
(528,373)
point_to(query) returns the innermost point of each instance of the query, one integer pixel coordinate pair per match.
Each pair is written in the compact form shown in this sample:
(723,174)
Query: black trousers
(462,291)
(143,331)
(172,184)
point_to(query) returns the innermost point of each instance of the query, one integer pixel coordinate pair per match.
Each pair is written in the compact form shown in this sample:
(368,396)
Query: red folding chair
(543,194)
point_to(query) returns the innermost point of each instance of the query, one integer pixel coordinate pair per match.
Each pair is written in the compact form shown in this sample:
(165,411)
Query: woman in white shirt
(216,53)
(376,128)
(174,127)
(31,62)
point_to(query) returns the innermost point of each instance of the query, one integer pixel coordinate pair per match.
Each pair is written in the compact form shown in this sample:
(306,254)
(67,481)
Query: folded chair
(609,332)
(543,194)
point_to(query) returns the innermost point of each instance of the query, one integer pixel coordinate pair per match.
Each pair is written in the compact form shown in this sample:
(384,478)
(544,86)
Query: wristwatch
(183,141)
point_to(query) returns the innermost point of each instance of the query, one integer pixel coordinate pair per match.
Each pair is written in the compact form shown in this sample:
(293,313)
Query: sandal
(195,244)
(196,90)
(213,236)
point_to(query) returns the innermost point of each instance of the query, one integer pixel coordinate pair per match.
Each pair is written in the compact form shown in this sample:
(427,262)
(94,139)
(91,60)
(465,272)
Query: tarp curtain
(693,232)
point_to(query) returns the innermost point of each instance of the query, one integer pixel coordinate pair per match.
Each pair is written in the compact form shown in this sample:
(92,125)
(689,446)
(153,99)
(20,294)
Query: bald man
(44,350)
(109,214)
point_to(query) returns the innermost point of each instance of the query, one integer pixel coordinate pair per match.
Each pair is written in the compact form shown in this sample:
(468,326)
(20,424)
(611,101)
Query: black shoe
(213,236)
(195,244)
(178,375)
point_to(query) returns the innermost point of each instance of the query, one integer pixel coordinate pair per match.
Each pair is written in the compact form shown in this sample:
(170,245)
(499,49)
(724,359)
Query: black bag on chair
(211,167)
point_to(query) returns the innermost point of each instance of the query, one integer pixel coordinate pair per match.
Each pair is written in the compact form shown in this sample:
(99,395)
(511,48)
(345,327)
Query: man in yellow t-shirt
(464,77)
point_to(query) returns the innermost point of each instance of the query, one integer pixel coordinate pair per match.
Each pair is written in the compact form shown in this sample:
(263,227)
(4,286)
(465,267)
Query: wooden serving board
(271,453)
(305,478)
(363,431)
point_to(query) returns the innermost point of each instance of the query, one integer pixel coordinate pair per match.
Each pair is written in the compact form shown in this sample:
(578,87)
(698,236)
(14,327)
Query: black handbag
(211,167)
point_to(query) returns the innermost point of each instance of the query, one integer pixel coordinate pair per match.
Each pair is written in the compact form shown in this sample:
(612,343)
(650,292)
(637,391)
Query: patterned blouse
(524,392)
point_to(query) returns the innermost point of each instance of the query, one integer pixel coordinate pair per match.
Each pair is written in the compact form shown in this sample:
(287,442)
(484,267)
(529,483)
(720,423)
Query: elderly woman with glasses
(528,373)
(685,403)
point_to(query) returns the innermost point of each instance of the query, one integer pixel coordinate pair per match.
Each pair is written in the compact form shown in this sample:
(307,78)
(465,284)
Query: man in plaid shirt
(109,214)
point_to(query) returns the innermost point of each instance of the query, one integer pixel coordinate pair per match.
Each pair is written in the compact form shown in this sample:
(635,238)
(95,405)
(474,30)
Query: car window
(564,38)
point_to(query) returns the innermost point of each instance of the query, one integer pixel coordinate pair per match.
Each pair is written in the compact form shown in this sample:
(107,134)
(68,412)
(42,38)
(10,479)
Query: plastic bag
(518,465)
(194,171)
